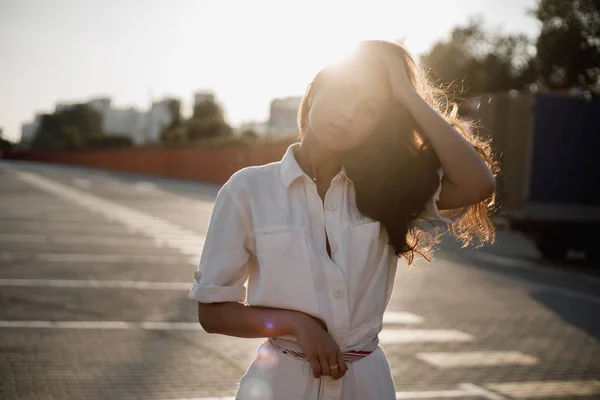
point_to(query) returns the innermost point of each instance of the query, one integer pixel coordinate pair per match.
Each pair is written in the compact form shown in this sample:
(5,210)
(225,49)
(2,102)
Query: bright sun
(333,54)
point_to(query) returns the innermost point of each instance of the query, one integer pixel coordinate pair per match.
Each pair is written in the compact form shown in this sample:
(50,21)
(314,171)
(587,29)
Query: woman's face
(348,105)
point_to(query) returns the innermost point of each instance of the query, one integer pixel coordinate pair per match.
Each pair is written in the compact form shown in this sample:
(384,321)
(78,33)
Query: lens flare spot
(266,357)
(258,389)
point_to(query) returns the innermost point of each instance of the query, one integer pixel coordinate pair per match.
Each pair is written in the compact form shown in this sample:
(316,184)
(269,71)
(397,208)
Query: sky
(246,52)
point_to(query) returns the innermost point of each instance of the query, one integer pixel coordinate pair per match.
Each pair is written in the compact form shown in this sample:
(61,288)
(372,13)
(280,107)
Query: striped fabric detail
(292,349)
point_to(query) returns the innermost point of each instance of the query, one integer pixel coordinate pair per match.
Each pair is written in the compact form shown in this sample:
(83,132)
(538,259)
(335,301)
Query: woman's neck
(318,161)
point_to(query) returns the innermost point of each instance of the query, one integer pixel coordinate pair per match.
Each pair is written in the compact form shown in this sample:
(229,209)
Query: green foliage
(175,110)
(476,62)
(4,144)
(70,128)
(207,109)
(176,135)
(77,127)
(566,54)
(175,132)
(568,48)
(249,133)
(206,122)
(208,127)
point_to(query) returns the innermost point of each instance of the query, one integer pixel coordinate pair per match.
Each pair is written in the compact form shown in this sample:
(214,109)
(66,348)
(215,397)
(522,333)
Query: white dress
(266,246)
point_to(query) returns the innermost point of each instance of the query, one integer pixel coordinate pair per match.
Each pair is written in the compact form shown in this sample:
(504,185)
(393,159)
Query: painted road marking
(423,335)
(35,238)
(547,389)
(99,258)
(82,183)
(387,336)
(463,390)
(160,230)
(96,284)
(400,317)
(476,358)
(101,325)
(143,186)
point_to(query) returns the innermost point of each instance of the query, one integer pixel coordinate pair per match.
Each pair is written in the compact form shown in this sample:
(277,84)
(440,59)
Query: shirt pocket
(285,277)
(365,242)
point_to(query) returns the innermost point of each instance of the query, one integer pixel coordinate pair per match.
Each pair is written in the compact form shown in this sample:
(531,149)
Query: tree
(207,121)
(4,144)
(568,48)
(175,132)
(207,109)
(204,128)
(70,128)
(475,61)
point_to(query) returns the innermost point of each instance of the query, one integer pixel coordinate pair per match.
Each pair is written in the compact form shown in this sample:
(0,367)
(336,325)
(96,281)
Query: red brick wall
(206,165)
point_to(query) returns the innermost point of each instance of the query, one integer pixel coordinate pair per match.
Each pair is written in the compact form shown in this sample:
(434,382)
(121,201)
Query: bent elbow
(205,318)
(485,189)
(489,188)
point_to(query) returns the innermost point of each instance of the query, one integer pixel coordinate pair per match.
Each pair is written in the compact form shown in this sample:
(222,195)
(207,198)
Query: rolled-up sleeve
(222,272)
(433,213)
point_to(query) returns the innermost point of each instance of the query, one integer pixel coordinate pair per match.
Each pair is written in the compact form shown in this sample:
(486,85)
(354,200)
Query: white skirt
(277,376)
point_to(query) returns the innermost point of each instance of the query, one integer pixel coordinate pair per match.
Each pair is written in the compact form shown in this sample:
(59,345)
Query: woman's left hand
(402,88)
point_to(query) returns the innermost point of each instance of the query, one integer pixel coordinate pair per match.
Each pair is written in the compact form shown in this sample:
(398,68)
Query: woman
(318,234)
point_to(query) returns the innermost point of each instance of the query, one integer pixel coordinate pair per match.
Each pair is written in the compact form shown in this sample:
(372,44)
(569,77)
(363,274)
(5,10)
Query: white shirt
(266,245)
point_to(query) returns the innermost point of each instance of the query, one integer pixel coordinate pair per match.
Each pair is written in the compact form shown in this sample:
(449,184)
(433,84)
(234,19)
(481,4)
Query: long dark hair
(394,170)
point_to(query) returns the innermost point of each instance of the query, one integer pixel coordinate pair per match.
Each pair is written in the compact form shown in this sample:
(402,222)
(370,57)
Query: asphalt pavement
(95,268)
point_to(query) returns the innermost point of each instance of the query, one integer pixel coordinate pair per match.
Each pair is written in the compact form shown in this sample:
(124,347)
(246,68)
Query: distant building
(100,104)
(126,122)
(29,129)
(58,107)
(159,117)
(202,96)
(259,127)
(283,116)
(141,126)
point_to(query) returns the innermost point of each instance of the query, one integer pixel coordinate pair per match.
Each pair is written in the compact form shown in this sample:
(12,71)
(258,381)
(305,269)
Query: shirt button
(338,293)
(333,384)
(334,247)
(331,206)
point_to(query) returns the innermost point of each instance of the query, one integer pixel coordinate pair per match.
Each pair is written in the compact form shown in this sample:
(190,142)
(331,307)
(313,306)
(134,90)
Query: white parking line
(387,336)
(401,317)
(96,284)
(464,390)
(423,336)
(104,325)
(145,186)
(432,394)
(99,258)
(548,389)
(475,390)
(184,240)
(35,238)
(476,358)
(82,183)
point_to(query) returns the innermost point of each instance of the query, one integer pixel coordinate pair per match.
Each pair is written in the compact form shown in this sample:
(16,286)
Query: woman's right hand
(319,347)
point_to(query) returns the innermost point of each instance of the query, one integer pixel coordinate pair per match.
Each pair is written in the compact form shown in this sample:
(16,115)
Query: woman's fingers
(336,373)
(342,362)
(316,366)
(324,359)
